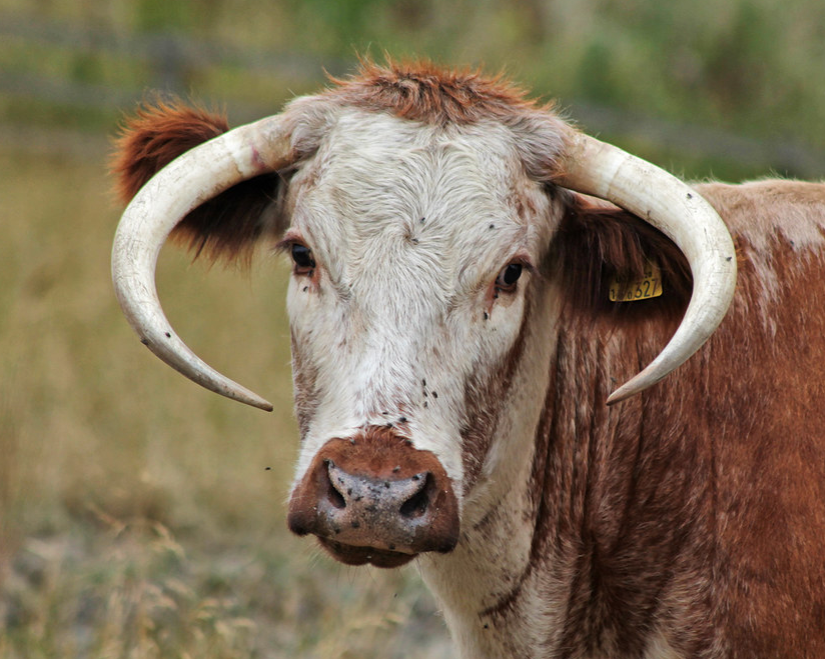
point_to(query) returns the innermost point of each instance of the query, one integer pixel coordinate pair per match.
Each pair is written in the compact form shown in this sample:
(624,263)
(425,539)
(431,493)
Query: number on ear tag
(648,287)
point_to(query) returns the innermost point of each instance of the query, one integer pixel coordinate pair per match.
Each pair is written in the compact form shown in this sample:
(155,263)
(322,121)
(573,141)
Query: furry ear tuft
(154,136)
(225,227)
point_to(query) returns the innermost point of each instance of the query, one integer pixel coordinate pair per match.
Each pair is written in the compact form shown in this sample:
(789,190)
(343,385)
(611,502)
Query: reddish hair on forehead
(422,91)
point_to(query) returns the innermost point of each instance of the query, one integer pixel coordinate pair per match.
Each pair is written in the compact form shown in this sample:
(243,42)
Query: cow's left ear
(597,244)
(225,227)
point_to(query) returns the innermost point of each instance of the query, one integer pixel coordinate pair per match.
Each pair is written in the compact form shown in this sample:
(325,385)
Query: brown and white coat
(453,343)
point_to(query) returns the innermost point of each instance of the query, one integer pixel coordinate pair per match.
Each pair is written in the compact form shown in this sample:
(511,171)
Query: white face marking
(409,226)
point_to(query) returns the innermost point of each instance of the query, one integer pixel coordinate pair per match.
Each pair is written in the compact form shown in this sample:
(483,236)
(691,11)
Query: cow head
(419,210)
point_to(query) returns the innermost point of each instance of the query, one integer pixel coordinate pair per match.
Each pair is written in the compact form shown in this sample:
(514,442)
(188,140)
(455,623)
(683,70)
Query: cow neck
(588,513)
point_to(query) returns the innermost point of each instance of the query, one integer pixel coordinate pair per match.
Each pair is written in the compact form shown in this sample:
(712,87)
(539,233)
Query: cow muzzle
(375,499)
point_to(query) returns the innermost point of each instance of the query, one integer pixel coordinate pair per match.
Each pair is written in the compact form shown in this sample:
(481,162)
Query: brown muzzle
(376,499)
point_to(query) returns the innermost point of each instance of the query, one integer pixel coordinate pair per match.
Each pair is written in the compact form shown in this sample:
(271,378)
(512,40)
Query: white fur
(401,301)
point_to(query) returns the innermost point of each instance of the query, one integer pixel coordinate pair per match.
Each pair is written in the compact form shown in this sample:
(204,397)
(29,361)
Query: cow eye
(302,256)
(507,278)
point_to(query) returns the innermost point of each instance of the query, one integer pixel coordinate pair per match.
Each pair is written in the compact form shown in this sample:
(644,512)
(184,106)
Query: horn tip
(617,397)
(629,389)
(250,398)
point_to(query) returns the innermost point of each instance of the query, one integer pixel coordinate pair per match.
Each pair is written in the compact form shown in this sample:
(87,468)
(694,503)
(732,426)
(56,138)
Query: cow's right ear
(223,228)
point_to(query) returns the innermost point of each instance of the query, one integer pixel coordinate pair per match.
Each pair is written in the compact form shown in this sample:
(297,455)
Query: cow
(471,278)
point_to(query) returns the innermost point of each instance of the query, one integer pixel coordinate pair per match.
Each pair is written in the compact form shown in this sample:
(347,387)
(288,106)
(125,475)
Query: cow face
(418,207)
(416,257)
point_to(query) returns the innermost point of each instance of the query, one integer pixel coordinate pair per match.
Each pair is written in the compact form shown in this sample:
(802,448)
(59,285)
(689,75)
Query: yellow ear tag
(648,287)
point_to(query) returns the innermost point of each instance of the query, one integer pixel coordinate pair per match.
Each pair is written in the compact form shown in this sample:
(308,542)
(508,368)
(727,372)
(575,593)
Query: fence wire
(171,60)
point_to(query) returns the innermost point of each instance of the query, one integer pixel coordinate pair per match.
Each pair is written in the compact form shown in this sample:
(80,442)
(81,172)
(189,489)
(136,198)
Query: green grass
(140,515)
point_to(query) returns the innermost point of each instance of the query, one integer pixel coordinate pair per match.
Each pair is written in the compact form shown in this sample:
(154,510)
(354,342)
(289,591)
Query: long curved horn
(607,172)
(195,177)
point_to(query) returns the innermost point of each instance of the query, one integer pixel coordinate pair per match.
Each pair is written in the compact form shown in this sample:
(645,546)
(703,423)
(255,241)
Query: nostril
(334,496)
(416,506)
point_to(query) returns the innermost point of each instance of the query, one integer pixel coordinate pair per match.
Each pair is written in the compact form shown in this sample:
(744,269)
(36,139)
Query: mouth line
(352,555)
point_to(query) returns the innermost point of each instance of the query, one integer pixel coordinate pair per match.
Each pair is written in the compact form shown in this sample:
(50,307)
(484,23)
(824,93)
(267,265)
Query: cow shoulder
(762,212)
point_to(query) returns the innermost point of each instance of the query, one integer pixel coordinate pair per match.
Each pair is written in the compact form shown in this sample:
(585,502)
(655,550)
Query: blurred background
(141,516)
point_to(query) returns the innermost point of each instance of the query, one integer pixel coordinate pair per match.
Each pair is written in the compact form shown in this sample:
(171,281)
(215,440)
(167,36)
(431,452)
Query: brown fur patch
(694,510)
(595,244)
(304,383)
(154,136)
(484,392)
(224,227)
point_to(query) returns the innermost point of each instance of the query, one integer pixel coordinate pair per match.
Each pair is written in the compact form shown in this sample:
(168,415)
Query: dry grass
(137,514)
